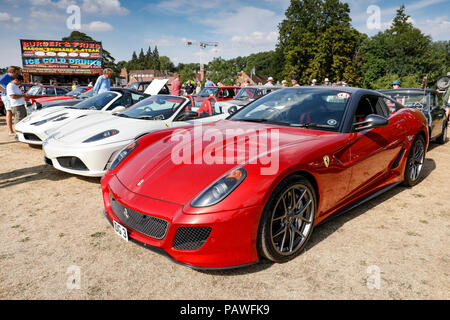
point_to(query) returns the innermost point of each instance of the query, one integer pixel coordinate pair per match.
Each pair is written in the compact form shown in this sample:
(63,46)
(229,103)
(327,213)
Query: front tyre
(414,164)
(288,220)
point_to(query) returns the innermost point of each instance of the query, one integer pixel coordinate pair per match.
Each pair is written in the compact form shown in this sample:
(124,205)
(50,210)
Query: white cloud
(6,17)
(61,4)
(104,7)
(97,26)
(437,28)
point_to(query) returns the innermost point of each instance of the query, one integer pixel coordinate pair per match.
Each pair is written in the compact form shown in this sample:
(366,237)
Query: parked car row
(254,179)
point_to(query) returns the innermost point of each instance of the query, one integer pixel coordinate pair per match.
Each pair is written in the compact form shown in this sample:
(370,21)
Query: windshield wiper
(146,118)
(122,115)
(312,125)
(282,123)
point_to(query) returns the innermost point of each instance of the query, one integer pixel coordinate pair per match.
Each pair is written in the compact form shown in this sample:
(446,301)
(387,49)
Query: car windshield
(154,108)
(33,90)
(98,102)
(206,92)
(249,93)
(76,92)
(408,99)
(86,95)
(320,109)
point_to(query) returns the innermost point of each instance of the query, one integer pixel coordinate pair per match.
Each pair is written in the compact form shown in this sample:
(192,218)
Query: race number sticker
(343,95)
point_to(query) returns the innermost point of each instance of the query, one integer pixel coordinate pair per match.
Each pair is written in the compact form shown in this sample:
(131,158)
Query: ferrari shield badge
(326,160)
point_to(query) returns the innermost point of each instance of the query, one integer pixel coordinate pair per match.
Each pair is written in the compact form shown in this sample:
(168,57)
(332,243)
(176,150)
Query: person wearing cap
(294,82)
(269,82)
(313,82)
(396,84)
(284,83)
(326,82)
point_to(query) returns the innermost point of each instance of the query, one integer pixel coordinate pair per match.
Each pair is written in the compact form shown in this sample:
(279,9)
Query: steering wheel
(148,109)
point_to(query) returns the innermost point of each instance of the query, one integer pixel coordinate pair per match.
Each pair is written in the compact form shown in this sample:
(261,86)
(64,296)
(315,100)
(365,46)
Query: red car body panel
(236,89)
(357,169)
(56,98)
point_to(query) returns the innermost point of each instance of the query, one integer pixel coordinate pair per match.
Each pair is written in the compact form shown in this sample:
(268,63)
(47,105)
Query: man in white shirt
(269,82)
(17,98)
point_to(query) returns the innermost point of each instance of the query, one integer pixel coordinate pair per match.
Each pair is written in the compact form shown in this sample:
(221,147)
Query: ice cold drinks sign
(61,54)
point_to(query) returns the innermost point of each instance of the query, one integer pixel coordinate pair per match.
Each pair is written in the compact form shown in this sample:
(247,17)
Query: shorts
(6,103)
(20,112)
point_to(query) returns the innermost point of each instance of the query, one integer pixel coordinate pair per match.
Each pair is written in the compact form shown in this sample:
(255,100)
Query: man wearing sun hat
(269,82)
(396,84)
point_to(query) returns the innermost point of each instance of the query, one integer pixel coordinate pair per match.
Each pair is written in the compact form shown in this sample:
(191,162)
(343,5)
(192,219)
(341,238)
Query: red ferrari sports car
(255,185)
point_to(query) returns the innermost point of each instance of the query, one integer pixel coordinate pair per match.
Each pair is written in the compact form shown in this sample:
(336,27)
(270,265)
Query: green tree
(149,64)
(317,41)
(166,64)
(155,56)
(404,51)
(186,74)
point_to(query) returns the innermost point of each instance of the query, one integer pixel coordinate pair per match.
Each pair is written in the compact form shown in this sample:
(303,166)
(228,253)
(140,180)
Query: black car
(428,102)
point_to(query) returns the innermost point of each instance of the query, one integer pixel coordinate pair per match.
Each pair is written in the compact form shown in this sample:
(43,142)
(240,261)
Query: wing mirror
(370,122)
(187,115)
(232,110)
(118,109)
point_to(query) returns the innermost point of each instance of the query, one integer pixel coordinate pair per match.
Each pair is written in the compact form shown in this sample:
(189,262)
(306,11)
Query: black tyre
(443,137)
(288,220)
(414,164)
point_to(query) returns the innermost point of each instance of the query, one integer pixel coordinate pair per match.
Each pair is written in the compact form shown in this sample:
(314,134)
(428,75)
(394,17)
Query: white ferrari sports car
(88,146)
(38,126)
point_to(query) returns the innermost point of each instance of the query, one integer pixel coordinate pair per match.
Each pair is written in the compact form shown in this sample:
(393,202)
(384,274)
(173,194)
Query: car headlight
(220,189)
(103,135)
(123,154)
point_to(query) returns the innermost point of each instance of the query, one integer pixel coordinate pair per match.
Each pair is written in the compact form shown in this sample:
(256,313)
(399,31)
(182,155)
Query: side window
(382,109)
(60,91)
(117,103)
(136,97)
(365,107)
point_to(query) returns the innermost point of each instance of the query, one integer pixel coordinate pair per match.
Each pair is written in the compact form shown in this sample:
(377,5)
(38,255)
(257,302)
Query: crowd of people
(15,104)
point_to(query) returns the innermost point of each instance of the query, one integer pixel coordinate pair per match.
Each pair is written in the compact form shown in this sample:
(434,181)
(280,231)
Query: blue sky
(240,27)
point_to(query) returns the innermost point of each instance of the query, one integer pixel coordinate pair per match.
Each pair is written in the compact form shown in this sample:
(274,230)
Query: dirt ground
(50,221)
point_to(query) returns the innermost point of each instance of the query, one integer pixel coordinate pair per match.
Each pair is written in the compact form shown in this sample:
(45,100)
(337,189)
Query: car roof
(223,87)
(264,87)
(351,90)
(408,90)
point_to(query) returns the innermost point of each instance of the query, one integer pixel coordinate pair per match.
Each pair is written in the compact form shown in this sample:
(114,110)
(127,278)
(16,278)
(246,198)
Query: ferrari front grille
(143,223)
(191,238)
(72,163)
(31,137)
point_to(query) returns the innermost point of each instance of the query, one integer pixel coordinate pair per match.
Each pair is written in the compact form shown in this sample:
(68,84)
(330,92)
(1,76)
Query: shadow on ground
(325,230)
(37,173)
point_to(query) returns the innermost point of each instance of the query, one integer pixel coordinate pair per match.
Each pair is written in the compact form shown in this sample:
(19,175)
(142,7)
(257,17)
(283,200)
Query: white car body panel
(27,126)
(68,141)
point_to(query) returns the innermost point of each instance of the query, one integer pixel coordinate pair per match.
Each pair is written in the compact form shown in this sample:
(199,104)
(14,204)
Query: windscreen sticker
(343,95)
(332,122)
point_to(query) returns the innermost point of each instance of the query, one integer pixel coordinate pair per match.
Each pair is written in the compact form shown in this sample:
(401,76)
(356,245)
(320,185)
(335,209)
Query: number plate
(120,230)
